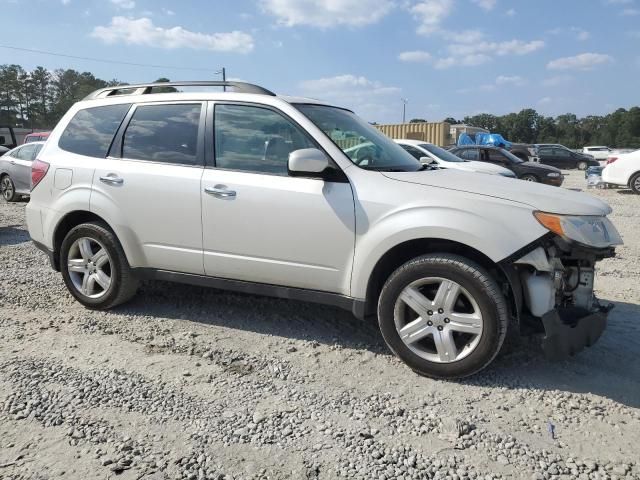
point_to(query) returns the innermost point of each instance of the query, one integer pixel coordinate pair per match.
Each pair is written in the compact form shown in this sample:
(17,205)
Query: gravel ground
(190,383)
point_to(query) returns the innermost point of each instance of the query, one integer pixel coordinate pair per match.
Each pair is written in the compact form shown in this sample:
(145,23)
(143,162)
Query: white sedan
(430,153)
(623,170)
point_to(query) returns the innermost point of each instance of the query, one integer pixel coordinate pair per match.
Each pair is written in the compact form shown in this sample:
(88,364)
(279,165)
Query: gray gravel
(190,383)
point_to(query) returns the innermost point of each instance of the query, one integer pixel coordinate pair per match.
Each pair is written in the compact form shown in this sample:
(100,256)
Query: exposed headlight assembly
(592,231)
(553,174)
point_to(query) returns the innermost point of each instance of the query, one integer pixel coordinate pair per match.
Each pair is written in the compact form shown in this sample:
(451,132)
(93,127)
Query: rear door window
(165,133)
(91,130)
(469,154)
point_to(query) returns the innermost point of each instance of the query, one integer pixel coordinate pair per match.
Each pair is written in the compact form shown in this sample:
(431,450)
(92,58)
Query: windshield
(365,145)
(512,158)
(441,153)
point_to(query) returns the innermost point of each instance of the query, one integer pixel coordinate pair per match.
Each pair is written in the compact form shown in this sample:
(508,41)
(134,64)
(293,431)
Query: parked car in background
(36,137)
(151,185)
(529,171)
(523,151)
(598,152)
(623,170)
(430,154)
(15,171)
(562,157)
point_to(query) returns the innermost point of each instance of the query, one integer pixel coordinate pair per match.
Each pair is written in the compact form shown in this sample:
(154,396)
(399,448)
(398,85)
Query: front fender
(495,234)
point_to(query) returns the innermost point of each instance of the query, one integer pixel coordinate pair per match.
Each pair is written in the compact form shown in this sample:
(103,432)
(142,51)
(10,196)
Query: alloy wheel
(89,266)
(7,188)
(438,320)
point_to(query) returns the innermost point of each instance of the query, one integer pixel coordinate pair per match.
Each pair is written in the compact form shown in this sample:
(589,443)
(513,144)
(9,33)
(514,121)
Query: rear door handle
(220,191)
(112,179)
(13,162)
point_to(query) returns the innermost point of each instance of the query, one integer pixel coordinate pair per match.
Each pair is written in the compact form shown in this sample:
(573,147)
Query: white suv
(254,192)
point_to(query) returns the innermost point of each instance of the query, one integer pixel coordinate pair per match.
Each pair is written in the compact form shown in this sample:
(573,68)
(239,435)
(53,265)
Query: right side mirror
(307,161)
(428,161)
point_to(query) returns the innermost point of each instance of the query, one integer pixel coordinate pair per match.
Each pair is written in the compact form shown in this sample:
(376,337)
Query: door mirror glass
(428,161)
(307,161)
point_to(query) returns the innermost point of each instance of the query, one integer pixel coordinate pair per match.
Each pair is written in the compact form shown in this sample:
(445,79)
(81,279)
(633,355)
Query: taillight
(38,170)
(610,160)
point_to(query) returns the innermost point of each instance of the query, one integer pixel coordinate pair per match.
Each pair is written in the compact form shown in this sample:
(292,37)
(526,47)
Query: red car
(36,137)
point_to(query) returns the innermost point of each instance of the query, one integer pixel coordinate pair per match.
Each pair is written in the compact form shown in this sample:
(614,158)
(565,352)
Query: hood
(485,167)
(472,166)
(535,195)
(542,166)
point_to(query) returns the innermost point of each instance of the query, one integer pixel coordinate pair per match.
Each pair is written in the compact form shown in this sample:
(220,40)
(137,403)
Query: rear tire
(529,178)
(582,165)
(94,267)
(8,189)
(466,316)
(634,183)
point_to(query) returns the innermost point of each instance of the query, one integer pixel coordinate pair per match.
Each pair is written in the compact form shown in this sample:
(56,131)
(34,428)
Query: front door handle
(220,191)
(112,179)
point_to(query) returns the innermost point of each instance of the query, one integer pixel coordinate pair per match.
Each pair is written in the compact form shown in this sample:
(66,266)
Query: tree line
(618,129)
(39,98)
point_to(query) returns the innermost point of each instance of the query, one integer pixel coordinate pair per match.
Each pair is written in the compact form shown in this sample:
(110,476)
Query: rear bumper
(569,330)
(52,259)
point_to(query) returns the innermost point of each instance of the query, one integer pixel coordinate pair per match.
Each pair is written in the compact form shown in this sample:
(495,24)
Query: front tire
(443,315)
(582,165)
(8,189)
(634,183)
(95,268)
(529,178)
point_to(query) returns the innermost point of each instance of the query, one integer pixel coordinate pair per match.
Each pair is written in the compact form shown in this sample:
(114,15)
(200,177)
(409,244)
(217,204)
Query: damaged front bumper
(557,280)
(569,329)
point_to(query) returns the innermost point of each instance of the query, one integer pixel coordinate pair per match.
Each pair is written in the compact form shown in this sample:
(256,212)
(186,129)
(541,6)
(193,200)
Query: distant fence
(436,133)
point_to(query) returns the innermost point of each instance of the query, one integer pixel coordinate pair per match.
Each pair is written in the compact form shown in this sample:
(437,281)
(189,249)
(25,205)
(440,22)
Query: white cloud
(464,36)
(511,12)
(327,13)
(142,31)
(545,101)
(485,4)
(630,12)
(583,35)
(168,12)
(474,54)
(464,61)
(66,2)
(124,4)
(584,61)
(430,14)
(369,98)
(415,56)
(510,80)
(510,47)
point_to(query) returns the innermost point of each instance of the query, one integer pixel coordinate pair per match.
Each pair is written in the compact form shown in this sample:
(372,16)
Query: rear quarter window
(91,130)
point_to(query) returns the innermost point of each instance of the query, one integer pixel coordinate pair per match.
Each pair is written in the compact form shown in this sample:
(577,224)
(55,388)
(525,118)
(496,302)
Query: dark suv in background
(561,157)
(530,171)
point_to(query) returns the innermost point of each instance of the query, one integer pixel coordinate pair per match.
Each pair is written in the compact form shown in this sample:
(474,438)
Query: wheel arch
(407,250)
(66,223)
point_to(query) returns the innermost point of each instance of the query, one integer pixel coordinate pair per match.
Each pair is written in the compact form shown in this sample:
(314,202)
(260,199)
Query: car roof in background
(408,141)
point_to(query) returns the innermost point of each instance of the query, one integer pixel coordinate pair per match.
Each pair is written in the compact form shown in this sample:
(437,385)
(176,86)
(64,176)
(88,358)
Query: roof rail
(146,88)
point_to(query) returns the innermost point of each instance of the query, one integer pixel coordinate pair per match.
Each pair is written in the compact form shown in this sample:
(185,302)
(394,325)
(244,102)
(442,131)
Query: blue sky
(447,57)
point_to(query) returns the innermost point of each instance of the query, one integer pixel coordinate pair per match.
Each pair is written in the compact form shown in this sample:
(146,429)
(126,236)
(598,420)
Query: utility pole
(404,109)
(224,77)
